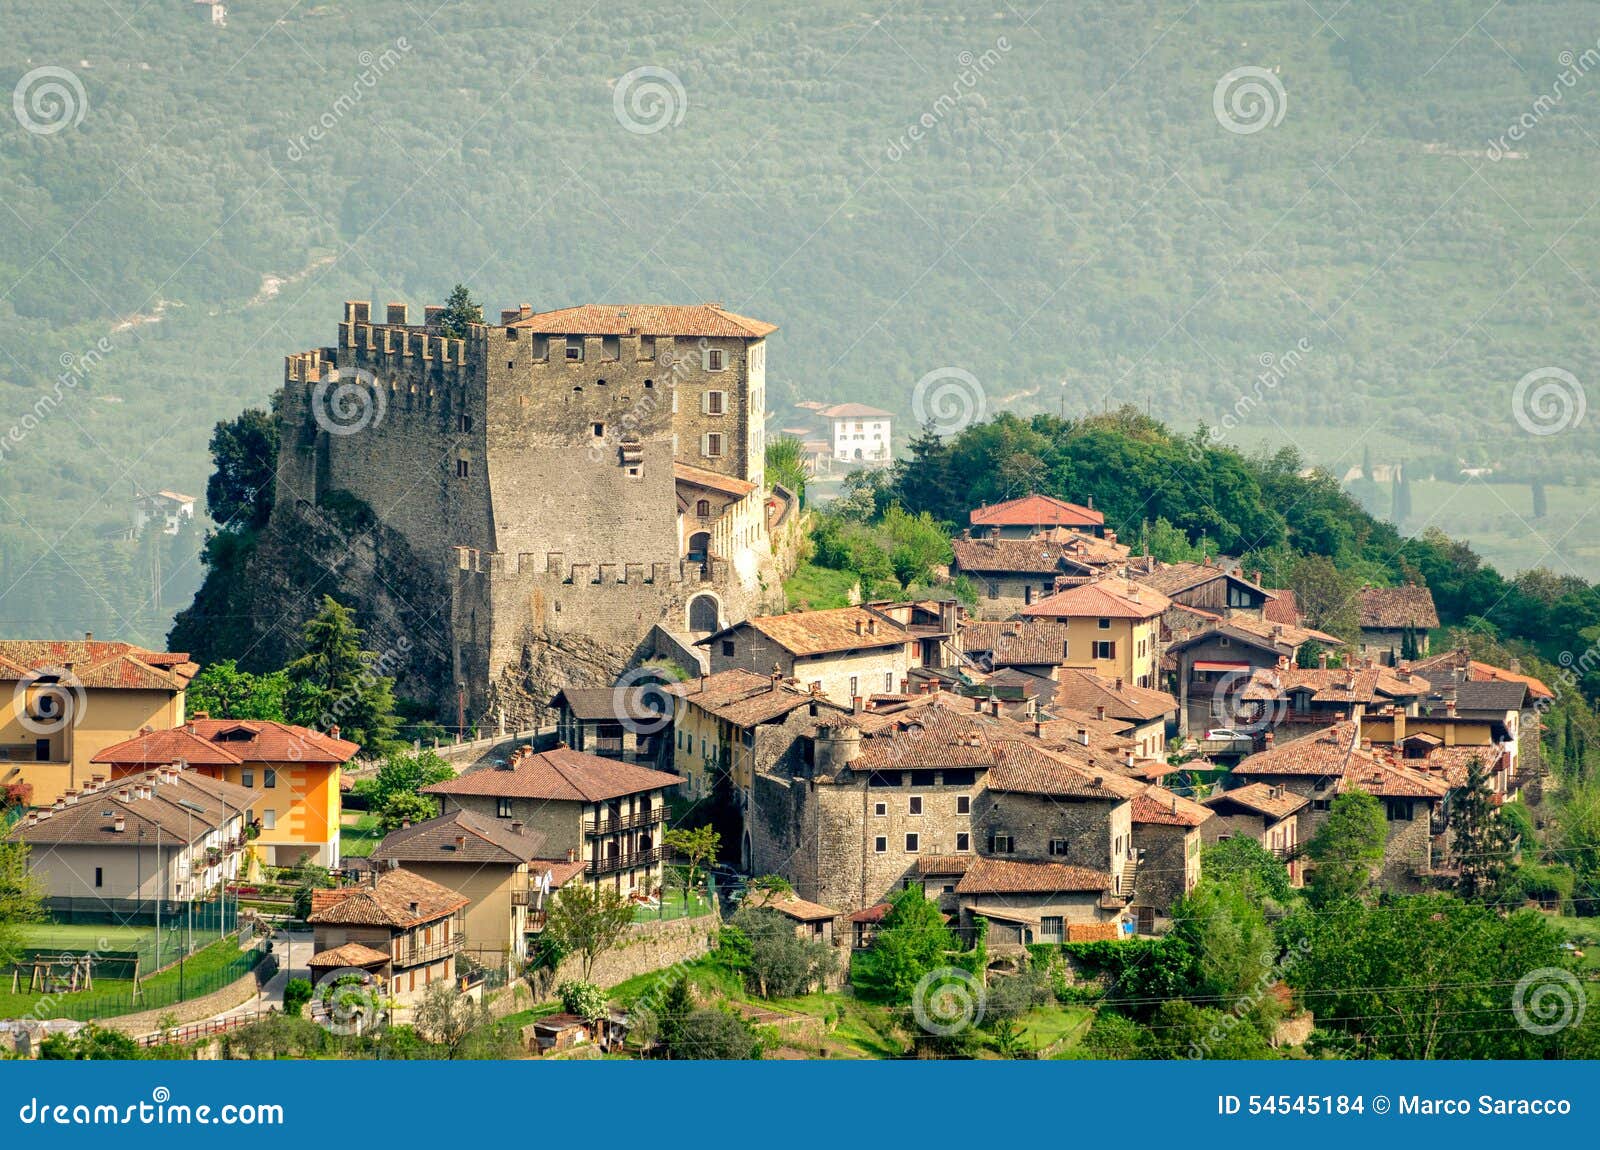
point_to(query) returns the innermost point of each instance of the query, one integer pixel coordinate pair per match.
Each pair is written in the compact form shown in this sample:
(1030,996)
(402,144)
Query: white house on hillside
(861,434)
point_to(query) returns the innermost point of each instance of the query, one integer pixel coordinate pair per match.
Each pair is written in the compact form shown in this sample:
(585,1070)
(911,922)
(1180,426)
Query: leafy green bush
(296,993)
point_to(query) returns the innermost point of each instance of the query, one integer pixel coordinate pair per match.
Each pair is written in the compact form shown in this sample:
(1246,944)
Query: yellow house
(1112,627)
(294,769)
(71,699)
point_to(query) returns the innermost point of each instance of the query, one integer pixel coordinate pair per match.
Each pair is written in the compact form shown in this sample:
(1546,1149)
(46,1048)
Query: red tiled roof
(791,906)
(1391,608)
(824,632)
(1274,802)
(1104,598)
(165,748)
(1007,876)
(1163,807)
(1283,607)
(646,319)
(1035,511)
(96,663)
(854,411)
(350,954)
(714,480)
(397,898)
(1080,690)
(269,741)
(561,774)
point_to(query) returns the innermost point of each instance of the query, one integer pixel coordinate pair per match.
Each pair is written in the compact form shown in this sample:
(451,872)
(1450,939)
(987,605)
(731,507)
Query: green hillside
(1075,226)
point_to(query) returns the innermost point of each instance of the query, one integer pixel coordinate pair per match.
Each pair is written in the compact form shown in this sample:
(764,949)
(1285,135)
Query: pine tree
(459,311)
(1366,462)
(924,481)
(1479,839)
(336,683)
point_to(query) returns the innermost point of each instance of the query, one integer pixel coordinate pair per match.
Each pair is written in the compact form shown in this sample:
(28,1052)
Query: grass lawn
(818,587)
(89,936)
(200,970)
(674,906)
(1045,1025)
(1584,933)
(358,834)
(856,1029)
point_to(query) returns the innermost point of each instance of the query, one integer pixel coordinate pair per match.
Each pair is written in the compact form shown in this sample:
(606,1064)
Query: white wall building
(861,434)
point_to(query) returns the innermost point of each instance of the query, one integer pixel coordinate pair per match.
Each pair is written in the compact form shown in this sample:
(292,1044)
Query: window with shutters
(714,359)
(715,402)
(463,468)
(702,508)
(711,445)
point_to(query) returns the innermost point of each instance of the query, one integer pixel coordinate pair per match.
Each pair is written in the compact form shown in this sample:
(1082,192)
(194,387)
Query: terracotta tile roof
(1283,607)
(398,899)
(561,871)
(185,809)
(461,837)
(1085,691)
(1480,671)
(977,637)
(943,864)
(605,704)
(1024,769)
(350,954)
(1174,578)
(267,741)
(1161,806)
(854,411)
(1263,798)
(562,775)
(646,319)
(792,905)
(1331,685)
(1035,511)
(1393,608)
(1032,642)
(167,748)
(1008,876)
(1389,778)
(1018,556)
(1109,597)
(1322,754)
(716,481)
(824,632)
(96,663)
(872,913)
(746,699)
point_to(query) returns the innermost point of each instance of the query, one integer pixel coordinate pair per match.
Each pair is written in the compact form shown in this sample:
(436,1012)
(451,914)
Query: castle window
(1058,846)
(881,844)
(599,430)
(711,445)
(963,803)
(649,383)
(913,843)
(574,351)
(510,363)
(914,805)
(1000,844)
(703,509)
(634,472)
(463,468)
(714,359)
(465,422)
(714,402)
(599,383)
(880,809)
(963,841)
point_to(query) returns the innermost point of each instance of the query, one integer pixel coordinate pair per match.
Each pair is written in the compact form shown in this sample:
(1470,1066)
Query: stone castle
(575,490)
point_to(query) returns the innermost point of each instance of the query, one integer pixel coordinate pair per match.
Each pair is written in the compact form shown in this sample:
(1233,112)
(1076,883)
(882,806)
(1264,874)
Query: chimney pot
(461,842)
(1083,735)
(572,854)
(88,636)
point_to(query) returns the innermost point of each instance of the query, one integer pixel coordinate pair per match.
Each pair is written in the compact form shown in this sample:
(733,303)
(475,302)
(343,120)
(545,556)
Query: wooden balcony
(611,826)
(621,862)
(432,952)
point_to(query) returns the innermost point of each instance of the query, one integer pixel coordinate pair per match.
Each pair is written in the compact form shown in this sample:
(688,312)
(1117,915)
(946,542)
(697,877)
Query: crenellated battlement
(552,567)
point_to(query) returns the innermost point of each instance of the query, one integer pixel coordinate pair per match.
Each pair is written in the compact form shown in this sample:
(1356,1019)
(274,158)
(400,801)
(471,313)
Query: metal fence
(170,990)
(159,931)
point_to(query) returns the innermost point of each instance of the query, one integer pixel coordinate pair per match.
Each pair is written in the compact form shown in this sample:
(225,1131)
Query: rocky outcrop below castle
(261,587)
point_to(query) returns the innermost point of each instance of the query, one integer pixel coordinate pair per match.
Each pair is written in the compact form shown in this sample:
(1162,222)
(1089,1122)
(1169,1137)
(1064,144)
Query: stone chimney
(1322,660)
(1119,683)
(1100,711)
(857,705)
(516,826)
(572,854)
(120,824)
(1083,735)
(461,842)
